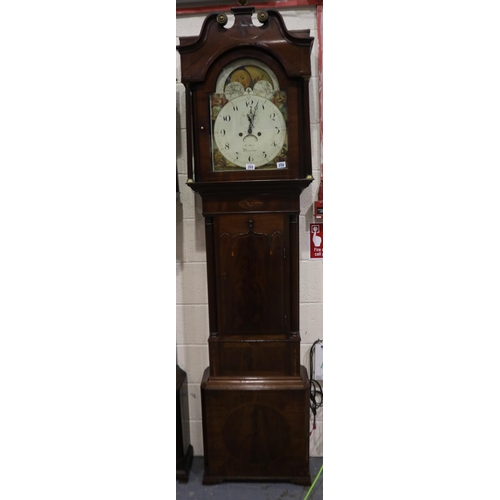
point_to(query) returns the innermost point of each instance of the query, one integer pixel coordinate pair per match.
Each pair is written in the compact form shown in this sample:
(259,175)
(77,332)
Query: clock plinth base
(256,429)
(300,481)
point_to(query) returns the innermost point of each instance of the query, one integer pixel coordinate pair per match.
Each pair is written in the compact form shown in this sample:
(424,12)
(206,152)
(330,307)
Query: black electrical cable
(316,392)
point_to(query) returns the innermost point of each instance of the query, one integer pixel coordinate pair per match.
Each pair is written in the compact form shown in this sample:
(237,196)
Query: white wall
(191,288)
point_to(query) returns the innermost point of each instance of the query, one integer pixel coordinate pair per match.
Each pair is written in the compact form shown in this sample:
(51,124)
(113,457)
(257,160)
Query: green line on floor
(312,485)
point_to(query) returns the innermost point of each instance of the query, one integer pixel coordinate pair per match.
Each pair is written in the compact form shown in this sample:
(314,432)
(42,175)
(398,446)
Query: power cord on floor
(316,392)
(312,485)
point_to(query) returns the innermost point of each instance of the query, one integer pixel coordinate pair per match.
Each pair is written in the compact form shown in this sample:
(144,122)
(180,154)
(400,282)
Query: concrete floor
(194,490)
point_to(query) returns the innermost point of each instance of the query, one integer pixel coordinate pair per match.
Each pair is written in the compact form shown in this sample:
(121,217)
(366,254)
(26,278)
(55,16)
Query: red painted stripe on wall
(320,91)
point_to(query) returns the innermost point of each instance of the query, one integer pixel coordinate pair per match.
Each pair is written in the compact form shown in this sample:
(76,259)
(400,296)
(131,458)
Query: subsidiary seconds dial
(250,130)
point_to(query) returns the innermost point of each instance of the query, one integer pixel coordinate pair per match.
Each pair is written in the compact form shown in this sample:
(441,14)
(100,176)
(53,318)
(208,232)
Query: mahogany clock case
(255,393)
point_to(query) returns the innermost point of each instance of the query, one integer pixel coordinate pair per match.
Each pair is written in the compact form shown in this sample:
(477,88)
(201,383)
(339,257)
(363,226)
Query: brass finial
(262,16)
(242,2)
(222,19)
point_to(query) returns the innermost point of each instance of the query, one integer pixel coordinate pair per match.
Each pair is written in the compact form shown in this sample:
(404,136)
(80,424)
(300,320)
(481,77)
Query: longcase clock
(249,158)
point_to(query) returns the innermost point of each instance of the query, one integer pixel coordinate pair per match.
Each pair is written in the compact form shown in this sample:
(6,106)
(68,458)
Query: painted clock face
(248,118)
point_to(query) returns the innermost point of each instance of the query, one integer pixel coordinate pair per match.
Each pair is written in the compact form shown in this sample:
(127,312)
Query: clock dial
(248,131)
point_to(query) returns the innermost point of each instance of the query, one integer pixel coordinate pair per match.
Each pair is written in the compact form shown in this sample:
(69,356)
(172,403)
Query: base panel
(256,429)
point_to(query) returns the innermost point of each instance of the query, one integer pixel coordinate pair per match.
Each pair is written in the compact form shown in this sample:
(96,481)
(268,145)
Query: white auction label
(250,166)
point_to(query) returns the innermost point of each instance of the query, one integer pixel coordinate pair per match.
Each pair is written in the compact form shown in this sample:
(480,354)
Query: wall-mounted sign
(316,241)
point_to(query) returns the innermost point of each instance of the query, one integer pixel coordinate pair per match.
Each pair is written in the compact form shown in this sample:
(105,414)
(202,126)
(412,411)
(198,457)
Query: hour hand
(250,123)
